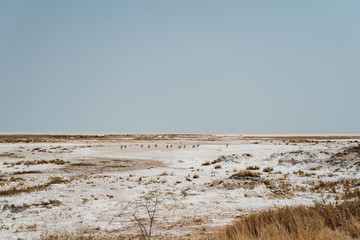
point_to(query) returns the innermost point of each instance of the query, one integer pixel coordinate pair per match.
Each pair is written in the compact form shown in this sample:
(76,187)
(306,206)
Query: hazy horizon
(194,133)
(189,66)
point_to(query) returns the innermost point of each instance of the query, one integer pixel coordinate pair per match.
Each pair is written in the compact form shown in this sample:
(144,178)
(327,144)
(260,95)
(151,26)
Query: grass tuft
(244,174)
(321,221)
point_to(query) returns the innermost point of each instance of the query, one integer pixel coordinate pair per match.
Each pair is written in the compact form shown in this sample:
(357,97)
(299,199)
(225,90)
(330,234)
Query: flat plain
(178,186)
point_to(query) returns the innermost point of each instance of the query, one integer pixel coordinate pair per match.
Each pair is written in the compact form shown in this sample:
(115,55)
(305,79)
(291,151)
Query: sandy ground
(103,184)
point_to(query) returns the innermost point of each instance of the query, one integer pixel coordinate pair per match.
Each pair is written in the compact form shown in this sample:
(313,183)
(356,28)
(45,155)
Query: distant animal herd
(167,146)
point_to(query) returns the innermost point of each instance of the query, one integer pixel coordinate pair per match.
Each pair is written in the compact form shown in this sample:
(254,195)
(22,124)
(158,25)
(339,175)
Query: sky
(179,66)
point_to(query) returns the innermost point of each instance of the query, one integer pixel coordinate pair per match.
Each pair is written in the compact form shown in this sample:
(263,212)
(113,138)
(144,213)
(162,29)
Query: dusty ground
(101,184)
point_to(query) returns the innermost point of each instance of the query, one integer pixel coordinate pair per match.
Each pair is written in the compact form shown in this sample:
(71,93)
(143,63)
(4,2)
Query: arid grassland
(179,186)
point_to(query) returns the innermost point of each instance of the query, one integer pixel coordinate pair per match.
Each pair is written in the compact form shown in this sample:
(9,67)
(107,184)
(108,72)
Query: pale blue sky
(134,66)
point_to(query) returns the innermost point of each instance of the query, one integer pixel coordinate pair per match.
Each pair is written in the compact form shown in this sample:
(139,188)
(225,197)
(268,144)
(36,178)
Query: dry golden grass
(217,166)
(36,162)
(83,164)
(164,174)
(245,174)
(316,222)
(315,168)
(304,174)
(349,194)
(27,172)
(10,155)
(347,188)
(15,191)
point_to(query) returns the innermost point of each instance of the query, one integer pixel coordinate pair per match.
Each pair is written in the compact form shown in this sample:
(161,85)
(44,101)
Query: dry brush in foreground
(331,221)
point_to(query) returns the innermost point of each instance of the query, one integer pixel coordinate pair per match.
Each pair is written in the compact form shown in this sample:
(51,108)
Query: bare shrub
(142,213)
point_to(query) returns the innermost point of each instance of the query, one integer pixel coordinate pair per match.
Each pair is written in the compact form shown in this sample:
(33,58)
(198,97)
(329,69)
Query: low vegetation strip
(331,221)
(16,191)
(36,162)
